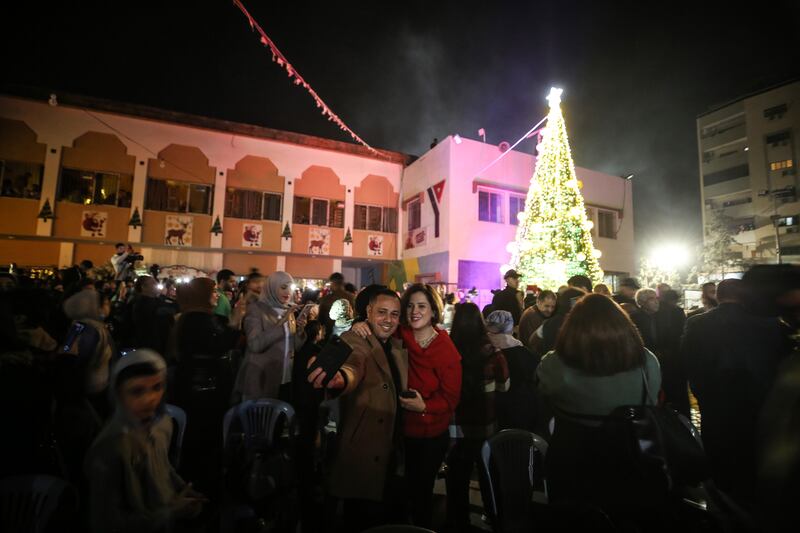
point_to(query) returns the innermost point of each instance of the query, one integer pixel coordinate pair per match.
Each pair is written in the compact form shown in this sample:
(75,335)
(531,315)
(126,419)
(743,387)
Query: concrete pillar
(288,211)
(66,254)
(218,206)
(52,162)
(349,216)
(280,263)
(137,196)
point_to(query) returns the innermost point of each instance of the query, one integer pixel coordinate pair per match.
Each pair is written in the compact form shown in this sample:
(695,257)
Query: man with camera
(123,261)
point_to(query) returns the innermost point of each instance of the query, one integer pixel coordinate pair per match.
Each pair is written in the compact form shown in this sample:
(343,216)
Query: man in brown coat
(369,457)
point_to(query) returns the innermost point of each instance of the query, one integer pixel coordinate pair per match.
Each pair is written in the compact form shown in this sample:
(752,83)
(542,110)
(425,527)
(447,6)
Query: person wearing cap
(510,298)
(627,291)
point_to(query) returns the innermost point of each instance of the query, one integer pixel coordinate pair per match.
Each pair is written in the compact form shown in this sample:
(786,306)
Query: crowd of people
(89,364)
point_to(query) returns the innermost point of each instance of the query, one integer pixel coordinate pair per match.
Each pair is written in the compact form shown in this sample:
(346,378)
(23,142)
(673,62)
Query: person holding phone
(273,334)
(434,378)
(369,457)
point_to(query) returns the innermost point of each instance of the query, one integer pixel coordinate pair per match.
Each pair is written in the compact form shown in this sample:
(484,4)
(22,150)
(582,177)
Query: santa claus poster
(251,235)
(93,224)
(375,245)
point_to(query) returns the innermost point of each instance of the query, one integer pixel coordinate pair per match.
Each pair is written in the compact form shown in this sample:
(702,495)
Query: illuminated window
(99,188)
(21,180)
(780,165)
(177,196)
(490,206)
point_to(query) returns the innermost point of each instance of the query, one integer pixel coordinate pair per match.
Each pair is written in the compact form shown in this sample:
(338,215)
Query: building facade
(460,218)
(748,172)
(79,175)
(188,192)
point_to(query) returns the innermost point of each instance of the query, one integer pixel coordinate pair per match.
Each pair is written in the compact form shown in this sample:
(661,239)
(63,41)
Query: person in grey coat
(273,334)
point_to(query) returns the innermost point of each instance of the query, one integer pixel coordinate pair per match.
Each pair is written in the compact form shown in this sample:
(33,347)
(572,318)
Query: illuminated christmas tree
(554,237)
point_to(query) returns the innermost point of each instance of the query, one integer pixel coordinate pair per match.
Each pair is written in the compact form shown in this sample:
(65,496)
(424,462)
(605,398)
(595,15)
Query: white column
(280,264)
(66,253)
(349,217)
(52,162)
(137,196)
(288,211)
(337,265)
(218,207)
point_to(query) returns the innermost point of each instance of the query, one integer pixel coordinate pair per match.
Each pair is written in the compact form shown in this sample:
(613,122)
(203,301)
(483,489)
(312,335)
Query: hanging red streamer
(281,60)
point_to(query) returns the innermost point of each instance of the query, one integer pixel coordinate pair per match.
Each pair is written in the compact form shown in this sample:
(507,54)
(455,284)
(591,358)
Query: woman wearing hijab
(273,334)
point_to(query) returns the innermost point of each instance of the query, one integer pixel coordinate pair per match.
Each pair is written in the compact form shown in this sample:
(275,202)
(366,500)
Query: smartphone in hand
(408,394)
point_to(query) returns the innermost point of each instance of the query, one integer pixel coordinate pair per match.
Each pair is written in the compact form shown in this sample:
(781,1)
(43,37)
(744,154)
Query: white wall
(467,238)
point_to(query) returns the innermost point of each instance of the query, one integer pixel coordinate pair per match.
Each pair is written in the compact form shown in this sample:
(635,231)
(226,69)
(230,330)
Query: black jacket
(508,300)
(731,357)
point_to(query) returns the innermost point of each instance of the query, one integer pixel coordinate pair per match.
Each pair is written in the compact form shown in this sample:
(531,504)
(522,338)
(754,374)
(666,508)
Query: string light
(281,60)
(554,238)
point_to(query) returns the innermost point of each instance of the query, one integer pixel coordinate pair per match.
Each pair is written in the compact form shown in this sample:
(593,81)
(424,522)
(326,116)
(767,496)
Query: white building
(748,170)
(477,214)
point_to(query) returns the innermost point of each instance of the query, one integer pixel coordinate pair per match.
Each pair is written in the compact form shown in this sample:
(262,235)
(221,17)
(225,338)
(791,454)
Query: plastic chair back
(27,503)
(512,460)
(179,416)
(259,420)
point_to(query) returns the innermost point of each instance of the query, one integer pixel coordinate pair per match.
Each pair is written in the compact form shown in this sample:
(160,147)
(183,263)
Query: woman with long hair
(484,372)
(599,363)
(434,389)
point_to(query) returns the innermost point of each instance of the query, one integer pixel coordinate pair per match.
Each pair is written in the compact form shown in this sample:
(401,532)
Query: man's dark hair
(135,371)
(86,264)
(119,244)
(224,274)
(545,294)
(336,277)
(731,290)
(349,287)
(364,298)
(581,281)
(382,292)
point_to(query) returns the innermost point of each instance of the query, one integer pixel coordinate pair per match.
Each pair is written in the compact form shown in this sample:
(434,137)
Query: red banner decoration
(281,60)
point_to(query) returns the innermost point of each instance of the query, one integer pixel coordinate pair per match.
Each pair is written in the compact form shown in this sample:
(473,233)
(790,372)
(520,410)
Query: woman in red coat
(434,376)
(434,379)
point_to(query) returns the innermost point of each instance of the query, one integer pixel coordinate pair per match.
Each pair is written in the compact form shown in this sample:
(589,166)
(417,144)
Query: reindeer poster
(375,245)
(93,224)
(319,241)
(178,230)
(251,235)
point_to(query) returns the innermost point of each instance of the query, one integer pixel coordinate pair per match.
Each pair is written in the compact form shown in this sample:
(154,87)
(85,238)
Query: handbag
(660,438)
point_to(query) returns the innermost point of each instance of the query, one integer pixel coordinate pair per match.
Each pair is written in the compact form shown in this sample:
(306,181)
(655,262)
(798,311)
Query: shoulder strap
(645,384)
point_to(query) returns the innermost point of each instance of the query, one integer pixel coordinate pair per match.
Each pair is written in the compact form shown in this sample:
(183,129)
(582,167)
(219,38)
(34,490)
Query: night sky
(635,74)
